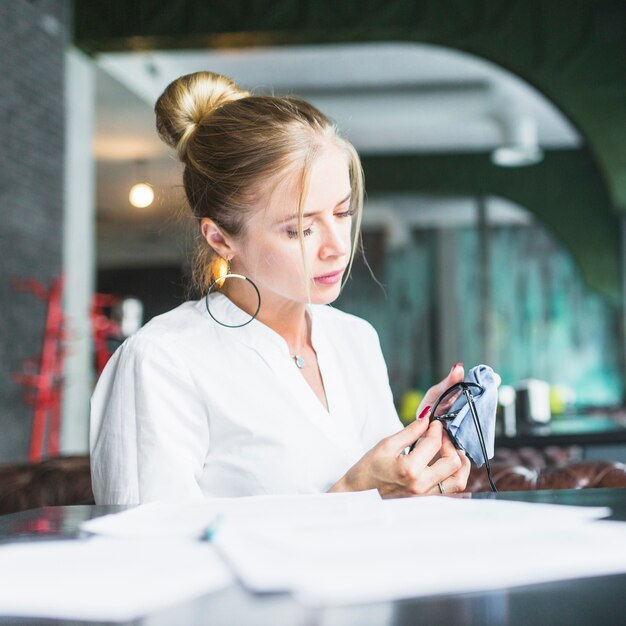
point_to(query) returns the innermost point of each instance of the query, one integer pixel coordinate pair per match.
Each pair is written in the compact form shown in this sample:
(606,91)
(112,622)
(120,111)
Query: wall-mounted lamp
(141,195)
(520,141)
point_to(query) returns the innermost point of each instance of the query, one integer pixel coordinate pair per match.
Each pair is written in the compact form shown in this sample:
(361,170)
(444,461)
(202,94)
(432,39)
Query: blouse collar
(273,349)
(255,334)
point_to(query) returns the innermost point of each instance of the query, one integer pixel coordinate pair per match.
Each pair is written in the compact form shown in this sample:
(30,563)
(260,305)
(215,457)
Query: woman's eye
(348,213)
(293,234)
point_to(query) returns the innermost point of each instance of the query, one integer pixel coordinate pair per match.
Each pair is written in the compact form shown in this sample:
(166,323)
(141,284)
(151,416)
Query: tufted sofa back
(67,480)
(577,475)
(57,481)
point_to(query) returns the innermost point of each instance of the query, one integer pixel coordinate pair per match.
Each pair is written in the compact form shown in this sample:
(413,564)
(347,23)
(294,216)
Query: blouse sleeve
(149,432)
(382,418)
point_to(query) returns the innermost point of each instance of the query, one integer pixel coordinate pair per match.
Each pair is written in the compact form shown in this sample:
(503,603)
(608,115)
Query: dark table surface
(598,600)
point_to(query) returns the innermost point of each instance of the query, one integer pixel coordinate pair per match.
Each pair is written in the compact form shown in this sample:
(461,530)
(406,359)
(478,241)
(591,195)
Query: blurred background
(493,139)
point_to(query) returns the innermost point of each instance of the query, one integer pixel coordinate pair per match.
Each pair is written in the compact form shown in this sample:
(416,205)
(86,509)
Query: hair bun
(187,101)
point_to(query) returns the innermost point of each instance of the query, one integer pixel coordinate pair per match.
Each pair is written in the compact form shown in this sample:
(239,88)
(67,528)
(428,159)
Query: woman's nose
(336,241)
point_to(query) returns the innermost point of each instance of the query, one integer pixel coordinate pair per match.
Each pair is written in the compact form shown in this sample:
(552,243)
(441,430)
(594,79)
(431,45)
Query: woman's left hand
(458,481)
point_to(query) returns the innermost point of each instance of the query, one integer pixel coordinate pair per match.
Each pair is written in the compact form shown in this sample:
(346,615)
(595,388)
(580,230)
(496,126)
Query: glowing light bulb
(141,195)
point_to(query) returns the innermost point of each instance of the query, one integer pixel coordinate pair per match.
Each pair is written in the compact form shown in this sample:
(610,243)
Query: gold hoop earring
(246,280)
(221,270)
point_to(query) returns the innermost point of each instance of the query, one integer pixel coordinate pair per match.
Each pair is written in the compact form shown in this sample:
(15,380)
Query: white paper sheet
(423,546)
(190,519)
(434,567)
(103,579)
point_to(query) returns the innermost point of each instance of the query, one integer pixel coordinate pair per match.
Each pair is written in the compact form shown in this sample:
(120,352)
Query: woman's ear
(221,243)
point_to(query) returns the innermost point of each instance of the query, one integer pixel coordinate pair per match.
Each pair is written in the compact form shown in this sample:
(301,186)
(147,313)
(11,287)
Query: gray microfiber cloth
(462,429)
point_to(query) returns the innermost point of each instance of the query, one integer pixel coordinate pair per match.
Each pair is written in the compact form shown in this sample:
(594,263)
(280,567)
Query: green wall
(565,191)
(545,322)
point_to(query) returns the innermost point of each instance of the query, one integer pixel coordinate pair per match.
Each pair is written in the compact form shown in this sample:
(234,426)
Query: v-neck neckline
(337,422)
(328,407)
(318,349)
(259,336)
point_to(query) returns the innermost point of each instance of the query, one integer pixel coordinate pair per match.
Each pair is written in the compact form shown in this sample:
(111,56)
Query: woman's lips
(330,279)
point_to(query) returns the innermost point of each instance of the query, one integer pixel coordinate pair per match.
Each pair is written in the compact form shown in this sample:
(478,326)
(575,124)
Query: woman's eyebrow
(295,215)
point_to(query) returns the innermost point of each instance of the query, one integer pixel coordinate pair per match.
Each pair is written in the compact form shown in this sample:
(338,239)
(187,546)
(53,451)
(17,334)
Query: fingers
(445,469)
(456,481)
(456,374)
(414,474)
(447,466)
(447,447)
(427,448)
(463,474)
(411,433)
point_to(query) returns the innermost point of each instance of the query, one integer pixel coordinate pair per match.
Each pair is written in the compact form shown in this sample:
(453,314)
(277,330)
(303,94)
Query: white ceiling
(386,98)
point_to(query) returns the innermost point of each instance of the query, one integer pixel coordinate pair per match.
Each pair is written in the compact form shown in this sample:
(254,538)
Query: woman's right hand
(433,460)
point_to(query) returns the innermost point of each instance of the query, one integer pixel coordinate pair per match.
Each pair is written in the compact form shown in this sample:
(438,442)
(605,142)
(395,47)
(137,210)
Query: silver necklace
(299,360)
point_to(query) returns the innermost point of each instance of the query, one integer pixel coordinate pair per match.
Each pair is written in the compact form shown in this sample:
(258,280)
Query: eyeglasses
(446,401)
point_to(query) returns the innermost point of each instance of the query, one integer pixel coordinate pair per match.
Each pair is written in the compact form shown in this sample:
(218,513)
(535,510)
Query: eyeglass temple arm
(481,438)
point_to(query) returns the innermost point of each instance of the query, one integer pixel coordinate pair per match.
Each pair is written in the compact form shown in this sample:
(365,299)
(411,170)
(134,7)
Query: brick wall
(33,37)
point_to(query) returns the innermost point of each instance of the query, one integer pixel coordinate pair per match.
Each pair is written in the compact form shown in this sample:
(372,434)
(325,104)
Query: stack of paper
(353,548)
(326,549)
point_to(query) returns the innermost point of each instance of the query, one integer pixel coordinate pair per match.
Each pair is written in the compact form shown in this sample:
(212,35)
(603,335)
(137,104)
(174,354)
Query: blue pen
(211,530)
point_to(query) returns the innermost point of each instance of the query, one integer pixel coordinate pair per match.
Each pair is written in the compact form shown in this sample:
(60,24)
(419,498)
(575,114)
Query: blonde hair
(232,143)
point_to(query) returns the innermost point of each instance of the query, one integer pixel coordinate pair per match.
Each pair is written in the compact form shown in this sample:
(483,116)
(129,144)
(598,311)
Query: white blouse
(188,408)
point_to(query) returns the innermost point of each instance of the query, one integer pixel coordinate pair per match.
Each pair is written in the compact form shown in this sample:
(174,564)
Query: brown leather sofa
(53,482)
(67,480)
(581,475)
(548,468)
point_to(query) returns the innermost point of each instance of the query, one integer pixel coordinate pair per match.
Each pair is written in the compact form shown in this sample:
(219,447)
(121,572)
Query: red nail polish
(423,414)
(456,365)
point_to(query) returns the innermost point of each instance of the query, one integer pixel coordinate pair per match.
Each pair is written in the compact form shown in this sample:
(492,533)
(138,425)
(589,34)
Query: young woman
(260,386)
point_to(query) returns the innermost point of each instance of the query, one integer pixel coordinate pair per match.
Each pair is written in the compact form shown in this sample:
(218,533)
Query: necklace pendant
(299,361)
